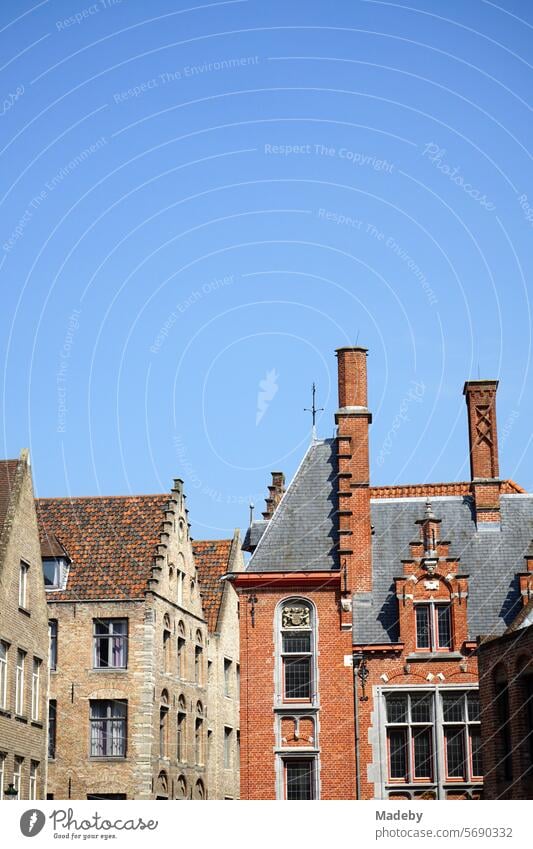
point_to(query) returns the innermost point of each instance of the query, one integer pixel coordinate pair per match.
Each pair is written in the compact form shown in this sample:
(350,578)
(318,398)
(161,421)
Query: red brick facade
(393,718)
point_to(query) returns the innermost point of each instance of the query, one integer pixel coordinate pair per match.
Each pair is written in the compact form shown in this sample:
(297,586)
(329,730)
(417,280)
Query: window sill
(21,718)
(114,758)
(437,655)
(36,723)
(5,713)
(25,611)
(107,670)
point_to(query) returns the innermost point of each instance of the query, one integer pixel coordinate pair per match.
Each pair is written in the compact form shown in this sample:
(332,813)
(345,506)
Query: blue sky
(200,203)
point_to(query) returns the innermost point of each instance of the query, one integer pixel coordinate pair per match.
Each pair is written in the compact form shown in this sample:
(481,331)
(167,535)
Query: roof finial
(429,510)
(313,409)
(251,505)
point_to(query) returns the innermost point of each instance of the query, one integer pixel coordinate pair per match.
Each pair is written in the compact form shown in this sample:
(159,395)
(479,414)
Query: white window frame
(36,689)
(440,777)
(34,775)
(281,698)
(23,585)
(123,637)
(53,633)
(17,776)
(19,682)
(2,773)
(4,671)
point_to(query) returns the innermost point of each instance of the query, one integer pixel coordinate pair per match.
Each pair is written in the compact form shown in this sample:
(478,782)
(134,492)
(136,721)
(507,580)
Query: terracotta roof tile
(111,542)
(212,559)
(423,490)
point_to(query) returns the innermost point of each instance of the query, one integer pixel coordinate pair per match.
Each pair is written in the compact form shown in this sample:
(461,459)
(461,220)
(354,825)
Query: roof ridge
(102,497)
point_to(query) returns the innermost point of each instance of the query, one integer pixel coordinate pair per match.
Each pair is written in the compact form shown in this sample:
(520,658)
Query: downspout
(356,660)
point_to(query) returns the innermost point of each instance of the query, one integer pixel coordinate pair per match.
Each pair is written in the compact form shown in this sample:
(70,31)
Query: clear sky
(200,202)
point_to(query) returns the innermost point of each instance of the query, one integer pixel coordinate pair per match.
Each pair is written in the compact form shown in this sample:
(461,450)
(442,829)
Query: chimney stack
(276,491)
(483,447)
(353,419)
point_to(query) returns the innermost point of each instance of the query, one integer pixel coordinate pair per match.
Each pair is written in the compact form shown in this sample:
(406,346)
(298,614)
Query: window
(227,677)
(52,632)
(23,585)
(181,739)
(181,787)
(297,652)
(108,728)
(300,778)
(433,627)
(413,736)
(55,572)
(526,684)
(166,650)
(2,773)
(17,777)
(181,657)
(238,679)
(36,689)
(228,745)
(199,735)
(3,674)
(502,741)
(52,728)
(198,659)
(34,775)
(163,732)
(19,682)
(181,579)
(110,643)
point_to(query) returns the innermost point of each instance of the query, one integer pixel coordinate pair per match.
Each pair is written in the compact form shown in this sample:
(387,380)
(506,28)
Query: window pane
(297,642)
(423,640)
(299,779)
(473,707)
(421,708)
(444,626)
(475,744)
(297,678)
(452,707)
(51,573)
(398,754)
(397,708)
(455,752)
(422,754)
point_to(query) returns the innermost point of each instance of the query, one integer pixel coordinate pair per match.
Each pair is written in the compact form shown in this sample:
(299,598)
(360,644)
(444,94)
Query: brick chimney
(275,494)
(483,446)
(352,420)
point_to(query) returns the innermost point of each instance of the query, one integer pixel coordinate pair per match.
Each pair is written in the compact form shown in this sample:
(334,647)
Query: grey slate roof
(302,532)
(254,534)
(491,558)
(302,535)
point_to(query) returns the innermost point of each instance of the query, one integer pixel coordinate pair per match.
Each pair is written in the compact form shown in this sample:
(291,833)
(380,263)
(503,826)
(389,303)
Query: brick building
(23,637)
(129,695)
(214,559)
(360,608)
(506,694)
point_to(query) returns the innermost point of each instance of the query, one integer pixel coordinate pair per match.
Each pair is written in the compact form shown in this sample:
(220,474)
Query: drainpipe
(356,660)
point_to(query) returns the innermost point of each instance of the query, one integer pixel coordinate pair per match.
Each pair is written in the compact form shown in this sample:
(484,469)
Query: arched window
(166,643)
(504,755)
(180,651)
(198,659)
(181,791)
(181,739)
(199,790)
(162,786)
(199,743)
(297,651)
(163,725)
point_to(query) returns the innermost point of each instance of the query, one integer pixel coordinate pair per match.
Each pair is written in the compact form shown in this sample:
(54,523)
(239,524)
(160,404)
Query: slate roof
(212,558)
(302,536)
(8,471)
(302,532)
(111,542)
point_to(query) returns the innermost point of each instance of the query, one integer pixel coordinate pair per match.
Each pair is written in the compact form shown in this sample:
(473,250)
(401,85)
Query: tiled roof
(111,542)
(431,490)
(8,470)
(212,559)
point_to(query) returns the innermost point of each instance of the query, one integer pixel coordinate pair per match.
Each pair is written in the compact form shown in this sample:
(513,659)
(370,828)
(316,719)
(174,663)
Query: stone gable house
(23,638)
(360,609)
(129,694)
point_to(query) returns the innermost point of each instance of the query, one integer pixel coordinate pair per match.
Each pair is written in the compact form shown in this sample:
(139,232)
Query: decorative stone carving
(295,617)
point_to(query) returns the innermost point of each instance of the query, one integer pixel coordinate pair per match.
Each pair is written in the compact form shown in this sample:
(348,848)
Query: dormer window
(55,571)
(433,627)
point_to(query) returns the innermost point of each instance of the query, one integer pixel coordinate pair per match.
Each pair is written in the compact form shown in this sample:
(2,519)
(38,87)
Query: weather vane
(313,409)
